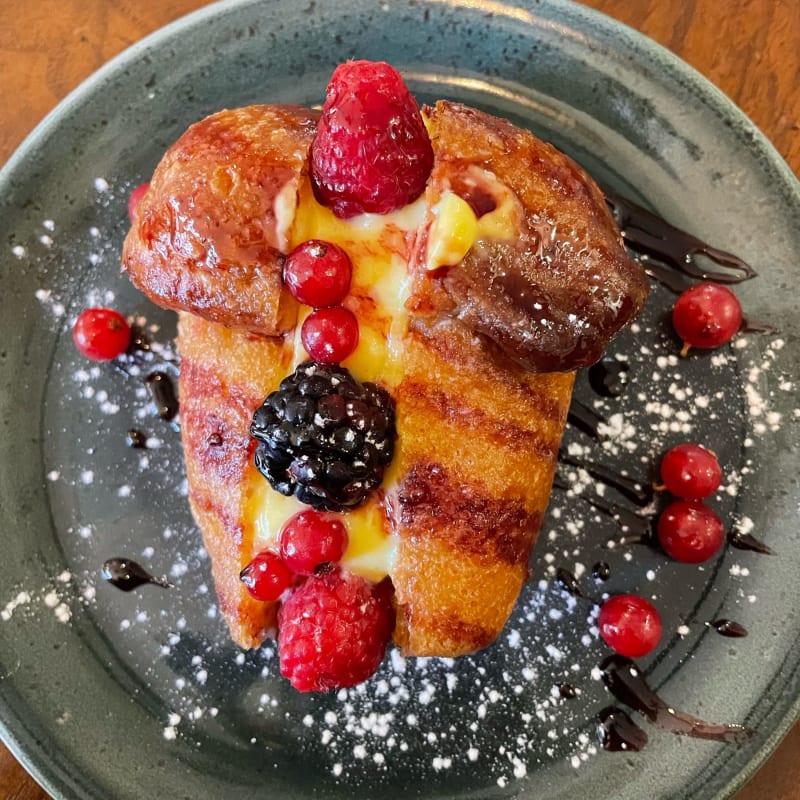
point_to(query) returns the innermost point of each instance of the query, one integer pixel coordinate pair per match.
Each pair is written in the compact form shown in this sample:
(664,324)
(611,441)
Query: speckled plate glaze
(112,695)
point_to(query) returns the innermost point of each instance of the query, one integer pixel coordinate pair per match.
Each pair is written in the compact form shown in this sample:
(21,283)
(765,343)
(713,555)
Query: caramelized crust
(553,296)
(209,235)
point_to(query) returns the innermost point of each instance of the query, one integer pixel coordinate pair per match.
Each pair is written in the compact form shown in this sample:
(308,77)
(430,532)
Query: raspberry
(372,152)
(333,631)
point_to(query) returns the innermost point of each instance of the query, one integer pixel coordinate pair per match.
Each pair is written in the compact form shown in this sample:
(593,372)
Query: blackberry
(324,436)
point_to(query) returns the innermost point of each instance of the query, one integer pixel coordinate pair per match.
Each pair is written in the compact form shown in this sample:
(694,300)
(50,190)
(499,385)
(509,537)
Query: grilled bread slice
(475,304)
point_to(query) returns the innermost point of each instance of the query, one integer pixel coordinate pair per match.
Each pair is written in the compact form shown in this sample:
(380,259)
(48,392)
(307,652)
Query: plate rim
(49,773)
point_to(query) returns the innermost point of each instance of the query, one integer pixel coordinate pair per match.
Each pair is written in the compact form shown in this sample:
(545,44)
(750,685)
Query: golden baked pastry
(476,303)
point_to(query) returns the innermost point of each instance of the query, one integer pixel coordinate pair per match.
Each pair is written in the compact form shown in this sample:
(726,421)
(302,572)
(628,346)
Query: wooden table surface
(749,48)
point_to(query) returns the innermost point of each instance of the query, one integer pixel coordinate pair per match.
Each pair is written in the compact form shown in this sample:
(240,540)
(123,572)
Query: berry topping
(101,334)
(324,436)
(690,531)
(691,472)
(310,539)
(330,334)
(630,625)
(372,152)
(318,273)
(707,315)
(266,576)
(133,201)
(333,631)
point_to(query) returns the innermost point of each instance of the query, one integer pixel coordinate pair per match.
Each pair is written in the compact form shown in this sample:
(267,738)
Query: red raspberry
(333,631)
(372,152)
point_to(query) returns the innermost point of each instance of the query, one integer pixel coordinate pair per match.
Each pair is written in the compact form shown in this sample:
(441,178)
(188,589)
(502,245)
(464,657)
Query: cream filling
(379,246)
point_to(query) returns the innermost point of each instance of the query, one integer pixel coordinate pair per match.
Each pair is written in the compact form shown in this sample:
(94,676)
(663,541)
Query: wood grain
(749,48)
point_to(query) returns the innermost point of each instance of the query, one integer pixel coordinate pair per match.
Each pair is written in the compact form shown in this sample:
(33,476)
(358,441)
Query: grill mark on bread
(434,503)
(505,433)
(215,424)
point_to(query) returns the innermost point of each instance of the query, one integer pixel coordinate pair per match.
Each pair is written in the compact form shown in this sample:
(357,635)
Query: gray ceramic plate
(108,695)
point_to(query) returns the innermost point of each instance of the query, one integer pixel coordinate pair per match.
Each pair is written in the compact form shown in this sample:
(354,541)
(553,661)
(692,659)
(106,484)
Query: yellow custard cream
(379,246)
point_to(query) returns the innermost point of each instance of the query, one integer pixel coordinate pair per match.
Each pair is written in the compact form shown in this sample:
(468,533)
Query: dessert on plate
(381,310)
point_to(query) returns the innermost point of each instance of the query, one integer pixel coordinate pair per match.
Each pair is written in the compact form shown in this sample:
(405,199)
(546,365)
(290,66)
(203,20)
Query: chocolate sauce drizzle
(601,571)
(162,391)
(136,439)
(647,233)
(727,627)
(127,575)
(626,682)
(744,541)
(617,731)
(609,377)
(638,528)
(585,419)
(641,494)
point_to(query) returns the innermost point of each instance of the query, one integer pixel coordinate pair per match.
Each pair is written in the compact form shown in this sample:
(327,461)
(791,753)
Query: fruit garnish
(324,436)
(318,273)
(630,625)
(690,531)
(266,576)
(333,630)
(330,335)
(310,539)
(690,472)
(706,316)
(135,197)
(101,334)
(372,153)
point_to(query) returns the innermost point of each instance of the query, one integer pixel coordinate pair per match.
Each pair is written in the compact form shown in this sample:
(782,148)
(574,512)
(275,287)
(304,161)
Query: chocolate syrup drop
(727,627)
(162,391)
(569,582)
(626,682)
(609,377)
(601,570)
(567,691)
(744,541)
(135,439)
(128,575)
(617,731)
(647,233)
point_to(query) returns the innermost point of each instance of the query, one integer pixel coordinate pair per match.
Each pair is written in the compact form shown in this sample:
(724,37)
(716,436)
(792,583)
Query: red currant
(630,625)
(311,538)
(266,576)
(318,273)
(101,334)
(691,472)
(707,315)
(690,531)
(329,335)
(133,200)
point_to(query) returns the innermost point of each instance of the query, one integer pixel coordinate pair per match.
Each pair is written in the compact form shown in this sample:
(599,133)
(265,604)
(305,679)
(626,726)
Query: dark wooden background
(749,48)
